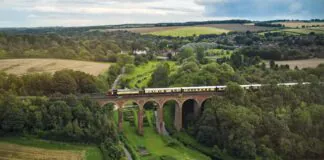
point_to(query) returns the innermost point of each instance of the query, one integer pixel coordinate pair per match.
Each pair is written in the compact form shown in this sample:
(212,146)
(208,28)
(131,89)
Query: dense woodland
(271,123)
(69,120)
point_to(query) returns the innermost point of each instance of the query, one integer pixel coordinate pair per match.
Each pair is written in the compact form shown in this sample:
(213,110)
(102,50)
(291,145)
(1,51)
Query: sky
(41,13)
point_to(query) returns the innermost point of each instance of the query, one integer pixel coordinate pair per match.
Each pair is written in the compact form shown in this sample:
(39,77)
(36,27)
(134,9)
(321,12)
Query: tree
(272,64)
(185,53)
(200,54)
(64,83)
(160,76)
(124,59)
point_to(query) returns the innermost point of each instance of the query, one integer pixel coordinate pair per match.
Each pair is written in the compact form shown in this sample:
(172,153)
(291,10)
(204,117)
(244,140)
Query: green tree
(160,76)
(64,83)
(185,53)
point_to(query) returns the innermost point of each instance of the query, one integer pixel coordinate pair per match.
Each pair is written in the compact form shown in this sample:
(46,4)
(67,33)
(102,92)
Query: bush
(170,142)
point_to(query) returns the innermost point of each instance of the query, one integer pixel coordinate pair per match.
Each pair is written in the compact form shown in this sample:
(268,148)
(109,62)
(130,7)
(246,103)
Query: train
(117,92)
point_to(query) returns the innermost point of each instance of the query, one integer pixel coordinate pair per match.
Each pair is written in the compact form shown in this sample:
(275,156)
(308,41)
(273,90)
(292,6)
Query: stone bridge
(159,100)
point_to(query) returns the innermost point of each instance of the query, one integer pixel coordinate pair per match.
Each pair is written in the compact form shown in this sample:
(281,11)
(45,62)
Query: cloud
(264,9)
(102,12)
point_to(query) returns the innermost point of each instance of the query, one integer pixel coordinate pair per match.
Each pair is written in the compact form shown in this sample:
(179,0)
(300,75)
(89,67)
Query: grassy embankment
(31,148)
(189,31)
(154,144)
(141,76)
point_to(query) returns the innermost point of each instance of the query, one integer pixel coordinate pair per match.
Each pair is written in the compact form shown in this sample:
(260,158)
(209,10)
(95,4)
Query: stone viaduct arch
(160,100)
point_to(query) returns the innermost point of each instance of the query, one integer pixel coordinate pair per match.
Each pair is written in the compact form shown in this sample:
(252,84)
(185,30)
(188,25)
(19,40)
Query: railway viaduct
(159,100)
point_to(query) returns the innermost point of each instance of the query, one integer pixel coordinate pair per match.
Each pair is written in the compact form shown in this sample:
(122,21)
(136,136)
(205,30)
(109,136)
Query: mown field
(299,31)
(239,27)
(143,30)
(300,24)
(227,27)
(309,63)
(20,148)
(25,66)
(190,31)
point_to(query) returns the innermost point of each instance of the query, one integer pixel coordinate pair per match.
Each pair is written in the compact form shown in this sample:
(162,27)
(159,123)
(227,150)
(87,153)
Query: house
(140,52)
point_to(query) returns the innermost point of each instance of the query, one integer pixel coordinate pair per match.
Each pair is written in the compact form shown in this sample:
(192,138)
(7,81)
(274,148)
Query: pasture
(30,149)
(143,29)
(25,66)
(227,27)
(299,31)
(308,63)
(239,27)
(300,24)
(189,31)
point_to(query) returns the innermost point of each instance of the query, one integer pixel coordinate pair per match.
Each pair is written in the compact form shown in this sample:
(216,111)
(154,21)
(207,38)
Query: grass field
(309,63)
(239,27)
(143,30)
(299,24)
(156,145)
(189,31)
(304,31)
(300,31)
(141,76)
(20,148)
(25,66)
(230,27)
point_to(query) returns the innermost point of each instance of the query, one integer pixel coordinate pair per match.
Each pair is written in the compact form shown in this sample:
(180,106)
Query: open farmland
(189,31)
(304,31)
(239,27)
(309,63)
(227,27)
(21,148)
(24,66)
(13,151)
(299,31)
(300,24)
(144,29)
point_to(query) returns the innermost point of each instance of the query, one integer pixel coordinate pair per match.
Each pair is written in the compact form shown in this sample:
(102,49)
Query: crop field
(25,66)
(299,24)
(227,27)
(304,31)
(30,149)
(239,27)
(190,31)
(299,31)
(308,63)
(144,29)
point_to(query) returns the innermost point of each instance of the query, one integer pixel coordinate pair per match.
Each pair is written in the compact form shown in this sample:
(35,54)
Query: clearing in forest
(25,66)
(190,31)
